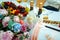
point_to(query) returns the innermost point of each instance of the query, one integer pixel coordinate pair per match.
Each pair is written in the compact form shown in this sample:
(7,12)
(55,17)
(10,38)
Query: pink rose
(7,35)
(5,21)
(24,28)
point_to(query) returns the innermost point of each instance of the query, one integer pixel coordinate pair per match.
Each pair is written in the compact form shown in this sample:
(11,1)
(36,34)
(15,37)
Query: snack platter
(52,18)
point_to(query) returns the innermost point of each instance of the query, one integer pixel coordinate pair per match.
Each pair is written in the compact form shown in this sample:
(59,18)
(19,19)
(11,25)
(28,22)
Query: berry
(22,10)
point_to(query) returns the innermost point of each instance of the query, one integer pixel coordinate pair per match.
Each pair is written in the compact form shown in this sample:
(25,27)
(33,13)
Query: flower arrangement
(12,23)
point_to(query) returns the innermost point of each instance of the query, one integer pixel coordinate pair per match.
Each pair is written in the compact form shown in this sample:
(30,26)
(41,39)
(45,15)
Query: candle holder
(40,4)
(40,9)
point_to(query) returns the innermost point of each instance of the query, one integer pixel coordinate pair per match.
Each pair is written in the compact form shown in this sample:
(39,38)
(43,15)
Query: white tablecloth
(43,31)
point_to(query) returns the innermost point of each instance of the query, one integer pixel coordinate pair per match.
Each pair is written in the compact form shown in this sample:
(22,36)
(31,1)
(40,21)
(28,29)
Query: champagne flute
(31,4)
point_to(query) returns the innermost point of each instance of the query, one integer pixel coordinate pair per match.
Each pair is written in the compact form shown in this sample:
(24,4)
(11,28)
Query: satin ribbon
(36,31)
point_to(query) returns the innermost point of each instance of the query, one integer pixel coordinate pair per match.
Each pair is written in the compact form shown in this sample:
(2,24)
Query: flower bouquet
(12,24)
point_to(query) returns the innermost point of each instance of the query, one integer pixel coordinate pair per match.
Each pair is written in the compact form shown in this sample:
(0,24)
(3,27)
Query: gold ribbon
(50,21)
